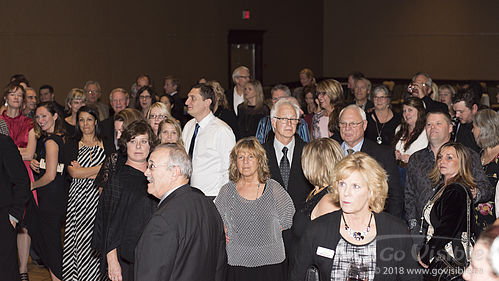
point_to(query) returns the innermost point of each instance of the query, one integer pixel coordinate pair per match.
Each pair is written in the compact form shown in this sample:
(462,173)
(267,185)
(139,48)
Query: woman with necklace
(382,121)
(21,131)
(75,100)
(486,133)
(318,160)
(255,210)
(84,156)
(252,109)
(360,233)
(46,218)
(134,206)
(446,213)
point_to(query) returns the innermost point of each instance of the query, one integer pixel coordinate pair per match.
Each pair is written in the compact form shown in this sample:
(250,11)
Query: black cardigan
(393,248)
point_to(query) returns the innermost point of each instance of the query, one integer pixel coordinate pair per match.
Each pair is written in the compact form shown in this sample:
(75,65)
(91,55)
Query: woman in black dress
(318,160)
(46,219)
(382,121)
(252,109)
(135,205)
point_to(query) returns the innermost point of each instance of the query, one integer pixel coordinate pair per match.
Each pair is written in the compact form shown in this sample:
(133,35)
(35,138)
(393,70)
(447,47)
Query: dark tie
(350,151)
(193,140)
(284,167)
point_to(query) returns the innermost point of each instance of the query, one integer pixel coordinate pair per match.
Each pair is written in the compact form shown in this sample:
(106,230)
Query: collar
(279,145)
(356,148)
(204,122)
(174,93)
(168,193)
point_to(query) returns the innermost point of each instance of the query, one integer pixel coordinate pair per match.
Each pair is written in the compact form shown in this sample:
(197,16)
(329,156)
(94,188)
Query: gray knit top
(255,227)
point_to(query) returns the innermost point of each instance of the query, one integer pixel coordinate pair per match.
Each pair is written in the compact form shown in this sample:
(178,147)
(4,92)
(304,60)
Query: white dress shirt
(238,99)
(420,143)
(278,146)
(210,157)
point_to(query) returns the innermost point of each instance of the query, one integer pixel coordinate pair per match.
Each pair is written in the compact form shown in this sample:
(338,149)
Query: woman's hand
(397,154)
(35,166)
(405,158)
(421,263)
(75,164)
(113,266)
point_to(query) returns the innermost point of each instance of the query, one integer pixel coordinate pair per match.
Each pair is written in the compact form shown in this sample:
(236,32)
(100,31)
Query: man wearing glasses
(93,92)
(240,76)
(352,125)
(421,88)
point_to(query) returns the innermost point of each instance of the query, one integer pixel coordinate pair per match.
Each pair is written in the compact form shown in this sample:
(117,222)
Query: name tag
(325,252)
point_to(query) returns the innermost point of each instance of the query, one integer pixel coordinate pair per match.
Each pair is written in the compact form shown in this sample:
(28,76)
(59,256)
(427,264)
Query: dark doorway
(246,48)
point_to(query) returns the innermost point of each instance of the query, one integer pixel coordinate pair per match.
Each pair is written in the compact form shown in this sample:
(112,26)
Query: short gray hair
(487,120)
(90,82)
(381,88)
(426,75)
(281,87)
(177,157)
(283,101)
(354,106)
(236,71)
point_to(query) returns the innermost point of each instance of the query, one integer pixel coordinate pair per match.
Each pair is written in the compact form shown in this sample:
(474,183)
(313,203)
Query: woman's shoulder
(390,223)
(456,190)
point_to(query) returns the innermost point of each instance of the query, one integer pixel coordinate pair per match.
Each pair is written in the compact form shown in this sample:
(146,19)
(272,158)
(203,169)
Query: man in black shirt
(465,104)
(421,88)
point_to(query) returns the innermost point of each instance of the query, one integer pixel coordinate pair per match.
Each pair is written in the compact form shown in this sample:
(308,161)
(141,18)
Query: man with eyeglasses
(93,92)
(235,96)
(421,88)
(352,125)
(119,100)
(184,239)
(264,125)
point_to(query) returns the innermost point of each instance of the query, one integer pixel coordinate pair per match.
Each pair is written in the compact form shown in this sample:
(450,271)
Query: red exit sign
(246,14)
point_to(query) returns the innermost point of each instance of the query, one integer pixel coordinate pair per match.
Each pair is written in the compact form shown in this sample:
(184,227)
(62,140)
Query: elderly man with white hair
(352,125)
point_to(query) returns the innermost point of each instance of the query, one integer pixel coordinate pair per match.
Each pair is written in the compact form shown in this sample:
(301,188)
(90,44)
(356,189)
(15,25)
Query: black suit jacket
(298,185)
(386,157)
(107,132)
(178,109)
(393,248)
(432,105)
(183,240)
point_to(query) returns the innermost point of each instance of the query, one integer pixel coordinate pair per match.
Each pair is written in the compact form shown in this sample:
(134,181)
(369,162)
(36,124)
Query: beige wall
(449,39)
(65,43)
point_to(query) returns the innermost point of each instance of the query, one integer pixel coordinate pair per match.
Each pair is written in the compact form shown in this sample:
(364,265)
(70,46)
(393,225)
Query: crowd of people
(320,182)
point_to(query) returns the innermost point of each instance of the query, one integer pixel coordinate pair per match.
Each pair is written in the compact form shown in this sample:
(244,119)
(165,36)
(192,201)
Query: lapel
(272,161)
(178,192)
(296,163)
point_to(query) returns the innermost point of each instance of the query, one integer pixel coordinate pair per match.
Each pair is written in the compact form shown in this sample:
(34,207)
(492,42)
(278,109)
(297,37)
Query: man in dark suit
(235,96)
(286,169)
(119,100)
(14,192)
(421,88)
(184,239)
(172,87)
(352,124)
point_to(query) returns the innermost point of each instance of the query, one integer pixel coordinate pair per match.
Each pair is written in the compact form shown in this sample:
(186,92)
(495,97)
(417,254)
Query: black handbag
(443,267)
(312,273)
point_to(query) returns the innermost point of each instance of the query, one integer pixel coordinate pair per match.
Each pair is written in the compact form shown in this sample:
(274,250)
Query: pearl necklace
(357,235)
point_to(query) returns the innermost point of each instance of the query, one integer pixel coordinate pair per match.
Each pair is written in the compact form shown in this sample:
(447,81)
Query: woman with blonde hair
(76,98)
(446,213)
(318,160)
(255,210)
(307,78)
(157,113)
(252,109)
(222,109)
(331,101)
(170,132)
(353,241)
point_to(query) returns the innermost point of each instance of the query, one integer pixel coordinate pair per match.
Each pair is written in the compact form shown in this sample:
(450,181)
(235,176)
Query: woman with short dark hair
(135,206)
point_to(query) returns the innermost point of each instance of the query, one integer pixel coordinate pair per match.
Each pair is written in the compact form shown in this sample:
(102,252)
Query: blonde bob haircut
(372,172)
(253,146)
(318,160)
(162,107)
(75,94)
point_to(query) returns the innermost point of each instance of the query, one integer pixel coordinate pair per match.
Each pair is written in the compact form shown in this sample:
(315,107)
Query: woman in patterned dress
(84,157)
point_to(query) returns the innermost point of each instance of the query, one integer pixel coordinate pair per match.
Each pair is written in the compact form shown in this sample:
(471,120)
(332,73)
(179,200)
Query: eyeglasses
(160,116)
(152,166)
(381,97)
(92,92)
(285,120)
(144,97)
(351,124)
(321,93)
(244,76)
